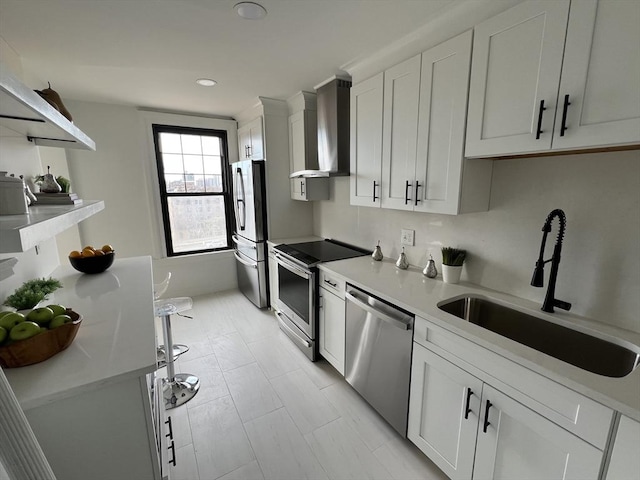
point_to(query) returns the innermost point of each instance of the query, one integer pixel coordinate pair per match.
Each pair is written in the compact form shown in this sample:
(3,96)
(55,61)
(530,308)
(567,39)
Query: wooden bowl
(40,347)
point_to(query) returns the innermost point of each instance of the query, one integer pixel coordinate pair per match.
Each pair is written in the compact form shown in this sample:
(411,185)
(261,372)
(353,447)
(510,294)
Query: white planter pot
(451,274)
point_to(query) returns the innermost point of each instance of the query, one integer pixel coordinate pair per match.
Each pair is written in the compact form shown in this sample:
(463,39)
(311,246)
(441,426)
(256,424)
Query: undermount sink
(612,357)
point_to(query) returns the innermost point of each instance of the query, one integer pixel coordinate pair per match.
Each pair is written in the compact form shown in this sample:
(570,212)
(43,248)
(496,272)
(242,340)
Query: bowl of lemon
(92,260)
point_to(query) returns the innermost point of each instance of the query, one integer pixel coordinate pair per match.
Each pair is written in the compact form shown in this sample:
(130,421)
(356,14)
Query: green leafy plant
(453,256)
(32,292)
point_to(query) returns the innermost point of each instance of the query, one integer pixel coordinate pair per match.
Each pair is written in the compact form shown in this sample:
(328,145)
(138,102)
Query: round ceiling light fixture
(250,10)
(206,82)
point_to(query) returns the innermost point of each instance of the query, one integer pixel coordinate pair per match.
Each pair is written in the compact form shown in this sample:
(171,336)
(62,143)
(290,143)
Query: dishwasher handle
(402,324)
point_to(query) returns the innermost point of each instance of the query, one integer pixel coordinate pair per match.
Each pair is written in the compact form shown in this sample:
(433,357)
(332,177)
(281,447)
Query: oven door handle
(292,268)
(244,262)
(297,337)
(351,296)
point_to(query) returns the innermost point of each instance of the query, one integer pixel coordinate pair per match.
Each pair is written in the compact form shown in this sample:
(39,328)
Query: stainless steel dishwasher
(379,338)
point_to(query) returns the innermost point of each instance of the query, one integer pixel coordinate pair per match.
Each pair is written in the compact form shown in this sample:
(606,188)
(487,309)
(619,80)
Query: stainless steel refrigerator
(250,236)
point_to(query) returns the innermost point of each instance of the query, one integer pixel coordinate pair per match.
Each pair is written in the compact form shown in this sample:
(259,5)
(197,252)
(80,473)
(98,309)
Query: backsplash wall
(600,194)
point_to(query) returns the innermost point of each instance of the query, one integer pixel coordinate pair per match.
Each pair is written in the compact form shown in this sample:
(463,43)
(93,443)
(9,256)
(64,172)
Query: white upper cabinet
(532,92)
(600,76)
(444,181)
(366,141)
(517,58)
(400,133)
(250,141)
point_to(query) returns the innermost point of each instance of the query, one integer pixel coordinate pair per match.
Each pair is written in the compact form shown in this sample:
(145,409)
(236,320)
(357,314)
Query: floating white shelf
(25,112)
(19,233)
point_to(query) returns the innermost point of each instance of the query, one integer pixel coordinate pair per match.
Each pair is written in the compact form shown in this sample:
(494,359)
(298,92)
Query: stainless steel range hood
(333,130)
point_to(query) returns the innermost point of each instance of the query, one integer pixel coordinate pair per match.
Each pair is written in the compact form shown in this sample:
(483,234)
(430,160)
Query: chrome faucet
(538,274)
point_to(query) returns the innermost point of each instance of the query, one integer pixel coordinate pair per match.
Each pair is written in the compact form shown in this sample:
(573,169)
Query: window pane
(195,183)
(213,183)
(172,163)
(193,164)
(175,183)
(211,146)
(212,165)
(191,144)
(170,143)
(197,223)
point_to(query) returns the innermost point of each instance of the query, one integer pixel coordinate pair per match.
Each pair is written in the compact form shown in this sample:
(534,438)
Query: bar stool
(178,348)
(177,388)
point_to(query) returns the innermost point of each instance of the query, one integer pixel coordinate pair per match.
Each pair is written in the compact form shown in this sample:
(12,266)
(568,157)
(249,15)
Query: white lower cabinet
(472,430)
(332,321)
(625,458)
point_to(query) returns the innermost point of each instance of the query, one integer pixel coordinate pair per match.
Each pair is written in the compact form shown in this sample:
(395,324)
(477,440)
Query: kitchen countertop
(116,339)
(412,291)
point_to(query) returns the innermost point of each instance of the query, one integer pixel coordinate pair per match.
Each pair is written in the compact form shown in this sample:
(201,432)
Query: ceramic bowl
(93,264)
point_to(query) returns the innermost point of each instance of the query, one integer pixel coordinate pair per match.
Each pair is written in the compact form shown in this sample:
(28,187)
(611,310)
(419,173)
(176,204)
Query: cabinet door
(303,141)
(443,105)
(256,151)
(244,142)
(444,408)
(517,57)
(519,443)
(400,133)
(332,329)
(366,142)
(625,461)
(297,189)
(601,75)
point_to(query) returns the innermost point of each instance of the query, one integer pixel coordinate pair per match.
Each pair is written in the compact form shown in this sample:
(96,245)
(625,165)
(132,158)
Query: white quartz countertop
(411,290)
(116,339)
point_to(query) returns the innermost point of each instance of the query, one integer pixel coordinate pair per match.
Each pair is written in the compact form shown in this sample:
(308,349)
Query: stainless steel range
(297,302)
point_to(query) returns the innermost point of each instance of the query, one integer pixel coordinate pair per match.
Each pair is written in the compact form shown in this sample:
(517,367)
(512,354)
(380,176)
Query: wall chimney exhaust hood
(333,129)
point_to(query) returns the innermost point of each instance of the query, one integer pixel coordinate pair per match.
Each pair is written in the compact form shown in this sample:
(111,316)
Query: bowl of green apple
(36,335)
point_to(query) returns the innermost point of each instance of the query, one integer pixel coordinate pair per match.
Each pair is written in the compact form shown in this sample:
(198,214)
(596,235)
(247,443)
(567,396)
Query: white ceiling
(149,53)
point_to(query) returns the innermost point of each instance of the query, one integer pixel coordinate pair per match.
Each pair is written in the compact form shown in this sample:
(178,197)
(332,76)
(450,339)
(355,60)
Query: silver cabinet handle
(333,284)
(351,296)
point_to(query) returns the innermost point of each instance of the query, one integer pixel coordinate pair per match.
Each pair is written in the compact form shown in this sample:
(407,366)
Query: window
(195,190)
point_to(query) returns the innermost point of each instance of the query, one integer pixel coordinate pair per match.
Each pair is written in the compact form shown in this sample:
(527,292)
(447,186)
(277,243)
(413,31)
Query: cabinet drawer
(573,411)
(332,283)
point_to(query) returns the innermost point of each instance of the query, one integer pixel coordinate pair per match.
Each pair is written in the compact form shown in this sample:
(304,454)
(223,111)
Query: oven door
(297,295)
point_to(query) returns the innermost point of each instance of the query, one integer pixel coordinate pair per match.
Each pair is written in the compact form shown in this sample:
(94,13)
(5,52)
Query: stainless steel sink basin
(610,357)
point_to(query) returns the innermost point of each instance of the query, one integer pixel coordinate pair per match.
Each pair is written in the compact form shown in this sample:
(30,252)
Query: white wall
(600,194)
(121,172)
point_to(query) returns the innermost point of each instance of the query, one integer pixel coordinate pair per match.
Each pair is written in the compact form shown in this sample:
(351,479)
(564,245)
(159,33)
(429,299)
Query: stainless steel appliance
(297,302)
(251,230)
(379,339)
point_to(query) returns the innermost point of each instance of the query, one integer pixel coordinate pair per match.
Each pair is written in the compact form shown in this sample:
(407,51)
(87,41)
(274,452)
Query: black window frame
(227,192)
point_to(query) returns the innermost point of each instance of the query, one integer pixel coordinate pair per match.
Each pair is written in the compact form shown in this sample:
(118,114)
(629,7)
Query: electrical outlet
(406,237)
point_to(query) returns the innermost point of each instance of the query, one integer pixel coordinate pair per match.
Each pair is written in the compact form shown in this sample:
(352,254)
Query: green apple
(57,309)
(40,315)
(24,330)
(3,334)
(11,319)
(59,320)
(5,312)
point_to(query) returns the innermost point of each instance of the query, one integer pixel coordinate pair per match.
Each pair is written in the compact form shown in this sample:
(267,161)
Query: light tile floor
(264,411)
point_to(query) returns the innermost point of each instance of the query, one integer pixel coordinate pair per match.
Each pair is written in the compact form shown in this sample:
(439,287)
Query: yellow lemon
(75,254)
(107,248)
(86,252)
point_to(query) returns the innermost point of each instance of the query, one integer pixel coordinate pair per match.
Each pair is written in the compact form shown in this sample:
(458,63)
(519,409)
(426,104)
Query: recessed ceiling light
(250,10)
(206,82)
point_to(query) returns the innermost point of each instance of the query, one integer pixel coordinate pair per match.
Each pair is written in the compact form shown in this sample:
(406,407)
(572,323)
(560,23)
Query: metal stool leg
(177,388)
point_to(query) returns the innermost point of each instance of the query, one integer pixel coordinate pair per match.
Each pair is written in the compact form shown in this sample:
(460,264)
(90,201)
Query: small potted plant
(452,261)
(31,293)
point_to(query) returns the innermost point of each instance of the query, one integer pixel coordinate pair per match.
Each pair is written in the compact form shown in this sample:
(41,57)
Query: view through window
(194,178)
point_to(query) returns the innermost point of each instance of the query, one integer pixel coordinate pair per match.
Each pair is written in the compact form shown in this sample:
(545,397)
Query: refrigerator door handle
(241,217)
(244,262)
(238,241)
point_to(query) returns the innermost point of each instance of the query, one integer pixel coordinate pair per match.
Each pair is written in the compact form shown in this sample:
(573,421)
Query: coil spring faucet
(538,274)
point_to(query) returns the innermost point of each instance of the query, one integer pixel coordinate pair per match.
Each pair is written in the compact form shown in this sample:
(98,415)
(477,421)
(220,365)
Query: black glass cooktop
(313,253)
